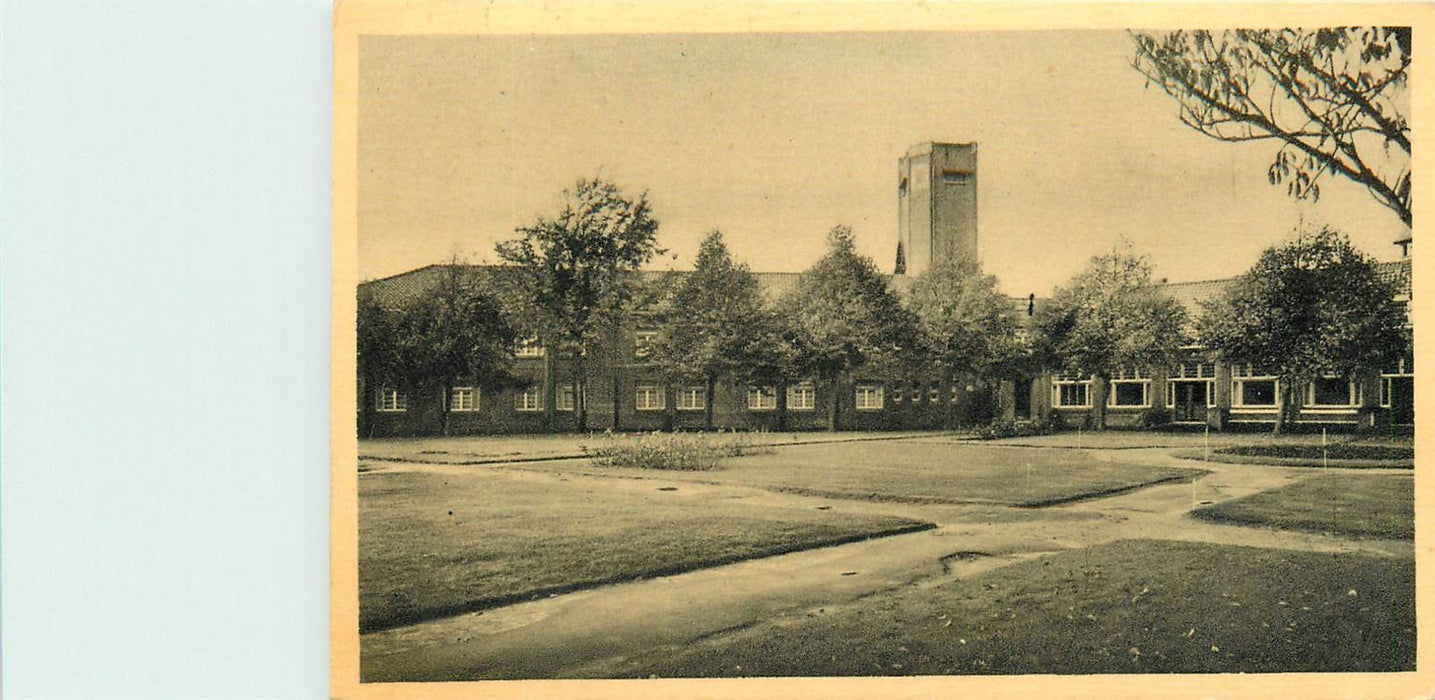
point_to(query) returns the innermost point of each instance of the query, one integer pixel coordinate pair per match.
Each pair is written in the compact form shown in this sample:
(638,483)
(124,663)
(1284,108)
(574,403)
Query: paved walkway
(592,633)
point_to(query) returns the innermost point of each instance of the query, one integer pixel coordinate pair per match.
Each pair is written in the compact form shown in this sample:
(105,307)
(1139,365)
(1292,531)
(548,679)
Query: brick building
(937,214)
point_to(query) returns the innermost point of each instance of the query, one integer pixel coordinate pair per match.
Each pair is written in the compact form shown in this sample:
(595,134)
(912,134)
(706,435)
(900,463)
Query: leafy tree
(454,331)
(1108,317)
(843,317)
(1311,307)
(713,325)
(967,326)
(575,273)
(457,330)
(1335,99)
(378,355)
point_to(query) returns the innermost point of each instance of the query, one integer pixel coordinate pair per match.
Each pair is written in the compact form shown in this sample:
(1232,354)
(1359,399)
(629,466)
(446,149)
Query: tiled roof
(404,287)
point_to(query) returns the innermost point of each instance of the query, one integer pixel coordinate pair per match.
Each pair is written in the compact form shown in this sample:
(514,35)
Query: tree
(377,355)
(575,273)
(453,331)
(1334,98)
(843,317)
(712,325)
(1308,308)
(966,325)
(457,330)
(1108,317)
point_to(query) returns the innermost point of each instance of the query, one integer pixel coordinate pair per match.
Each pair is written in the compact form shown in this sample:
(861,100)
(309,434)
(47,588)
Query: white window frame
(1171,391)
(389,400)
(802,397)
(1402,369)
(528,400)
(692,398)
(457,405)
(530,346)
(761,398)
(643,343)
(1145,393)
(1240,374)
(868,397)
(649,397)
(1064,380)
(1354,396)
(563,399)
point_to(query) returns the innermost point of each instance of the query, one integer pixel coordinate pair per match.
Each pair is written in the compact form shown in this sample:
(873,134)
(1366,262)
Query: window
(956,177)
(933,394)
(1403,367)
(528,347)
(1332,391)
(1193,370)
(1129,389)
(643,343)
(463,398)
(1070,391)
(692,398)
(564,400)
(392,401)
(528,400)
(761,398)
(1171,392)
(869,397)
(1253,387)
(650,397)
(801,397)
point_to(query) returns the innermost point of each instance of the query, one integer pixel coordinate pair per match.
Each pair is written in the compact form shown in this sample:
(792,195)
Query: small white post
(1324,453)
(1208,442)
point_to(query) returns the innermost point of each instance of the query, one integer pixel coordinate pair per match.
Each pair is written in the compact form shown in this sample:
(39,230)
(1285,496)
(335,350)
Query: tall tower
(936,204)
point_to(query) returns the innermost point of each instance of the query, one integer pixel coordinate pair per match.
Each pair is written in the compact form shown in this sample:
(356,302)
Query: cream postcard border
(353,19)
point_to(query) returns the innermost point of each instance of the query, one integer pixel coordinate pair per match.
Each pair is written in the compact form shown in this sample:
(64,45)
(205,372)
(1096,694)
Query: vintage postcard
(880,350)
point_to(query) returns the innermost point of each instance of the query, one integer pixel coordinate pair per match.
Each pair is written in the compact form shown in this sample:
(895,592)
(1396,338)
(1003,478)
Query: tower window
(956,177)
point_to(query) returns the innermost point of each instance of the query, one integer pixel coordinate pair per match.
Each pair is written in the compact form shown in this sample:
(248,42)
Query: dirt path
(592,633)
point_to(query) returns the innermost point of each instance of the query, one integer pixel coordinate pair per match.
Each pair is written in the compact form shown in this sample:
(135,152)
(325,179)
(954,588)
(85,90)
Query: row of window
(648,397)
(1246,392)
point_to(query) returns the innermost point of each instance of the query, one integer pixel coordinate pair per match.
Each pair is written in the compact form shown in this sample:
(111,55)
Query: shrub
(1154,417)
(670,451)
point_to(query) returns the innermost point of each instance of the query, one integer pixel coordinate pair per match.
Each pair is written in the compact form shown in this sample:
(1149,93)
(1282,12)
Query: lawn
(434,544)
(1135,606)
(921,472)
(1359,505)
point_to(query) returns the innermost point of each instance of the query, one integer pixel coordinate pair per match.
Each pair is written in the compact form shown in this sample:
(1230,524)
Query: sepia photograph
(703,349)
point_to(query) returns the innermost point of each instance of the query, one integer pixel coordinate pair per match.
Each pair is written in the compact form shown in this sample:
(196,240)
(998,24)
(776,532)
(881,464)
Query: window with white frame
(1129,389)
(761,398)
(1070,391)
(801,397)
(463,399)
(643,343)
(1193,370)
(392,401)
(1171,392)
(649,397)
(869,397)
(528,400)
(528,347)
(692,398)
(934,394)
(564,400)
(1253,387)
(1332,392)
(1403,367)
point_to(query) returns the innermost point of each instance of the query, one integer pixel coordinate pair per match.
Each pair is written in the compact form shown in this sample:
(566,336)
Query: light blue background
(164,271)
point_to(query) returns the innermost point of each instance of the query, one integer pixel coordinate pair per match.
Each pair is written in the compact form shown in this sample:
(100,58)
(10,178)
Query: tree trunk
(1283,397)
(445,403)
(1099,386)
(670,406)
(952,422)
(617,398)
(834,403)
(781,406)
(550,388)
(708,419)
(580,392)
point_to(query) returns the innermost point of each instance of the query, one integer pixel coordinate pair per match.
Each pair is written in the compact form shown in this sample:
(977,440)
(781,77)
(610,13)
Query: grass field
(433,544)
(1358,505)
(928,473)
(1135,606)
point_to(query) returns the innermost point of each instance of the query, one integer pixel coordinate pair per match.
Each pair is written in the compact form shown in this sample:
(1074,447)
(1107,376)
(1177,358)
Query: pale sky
(775,138)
